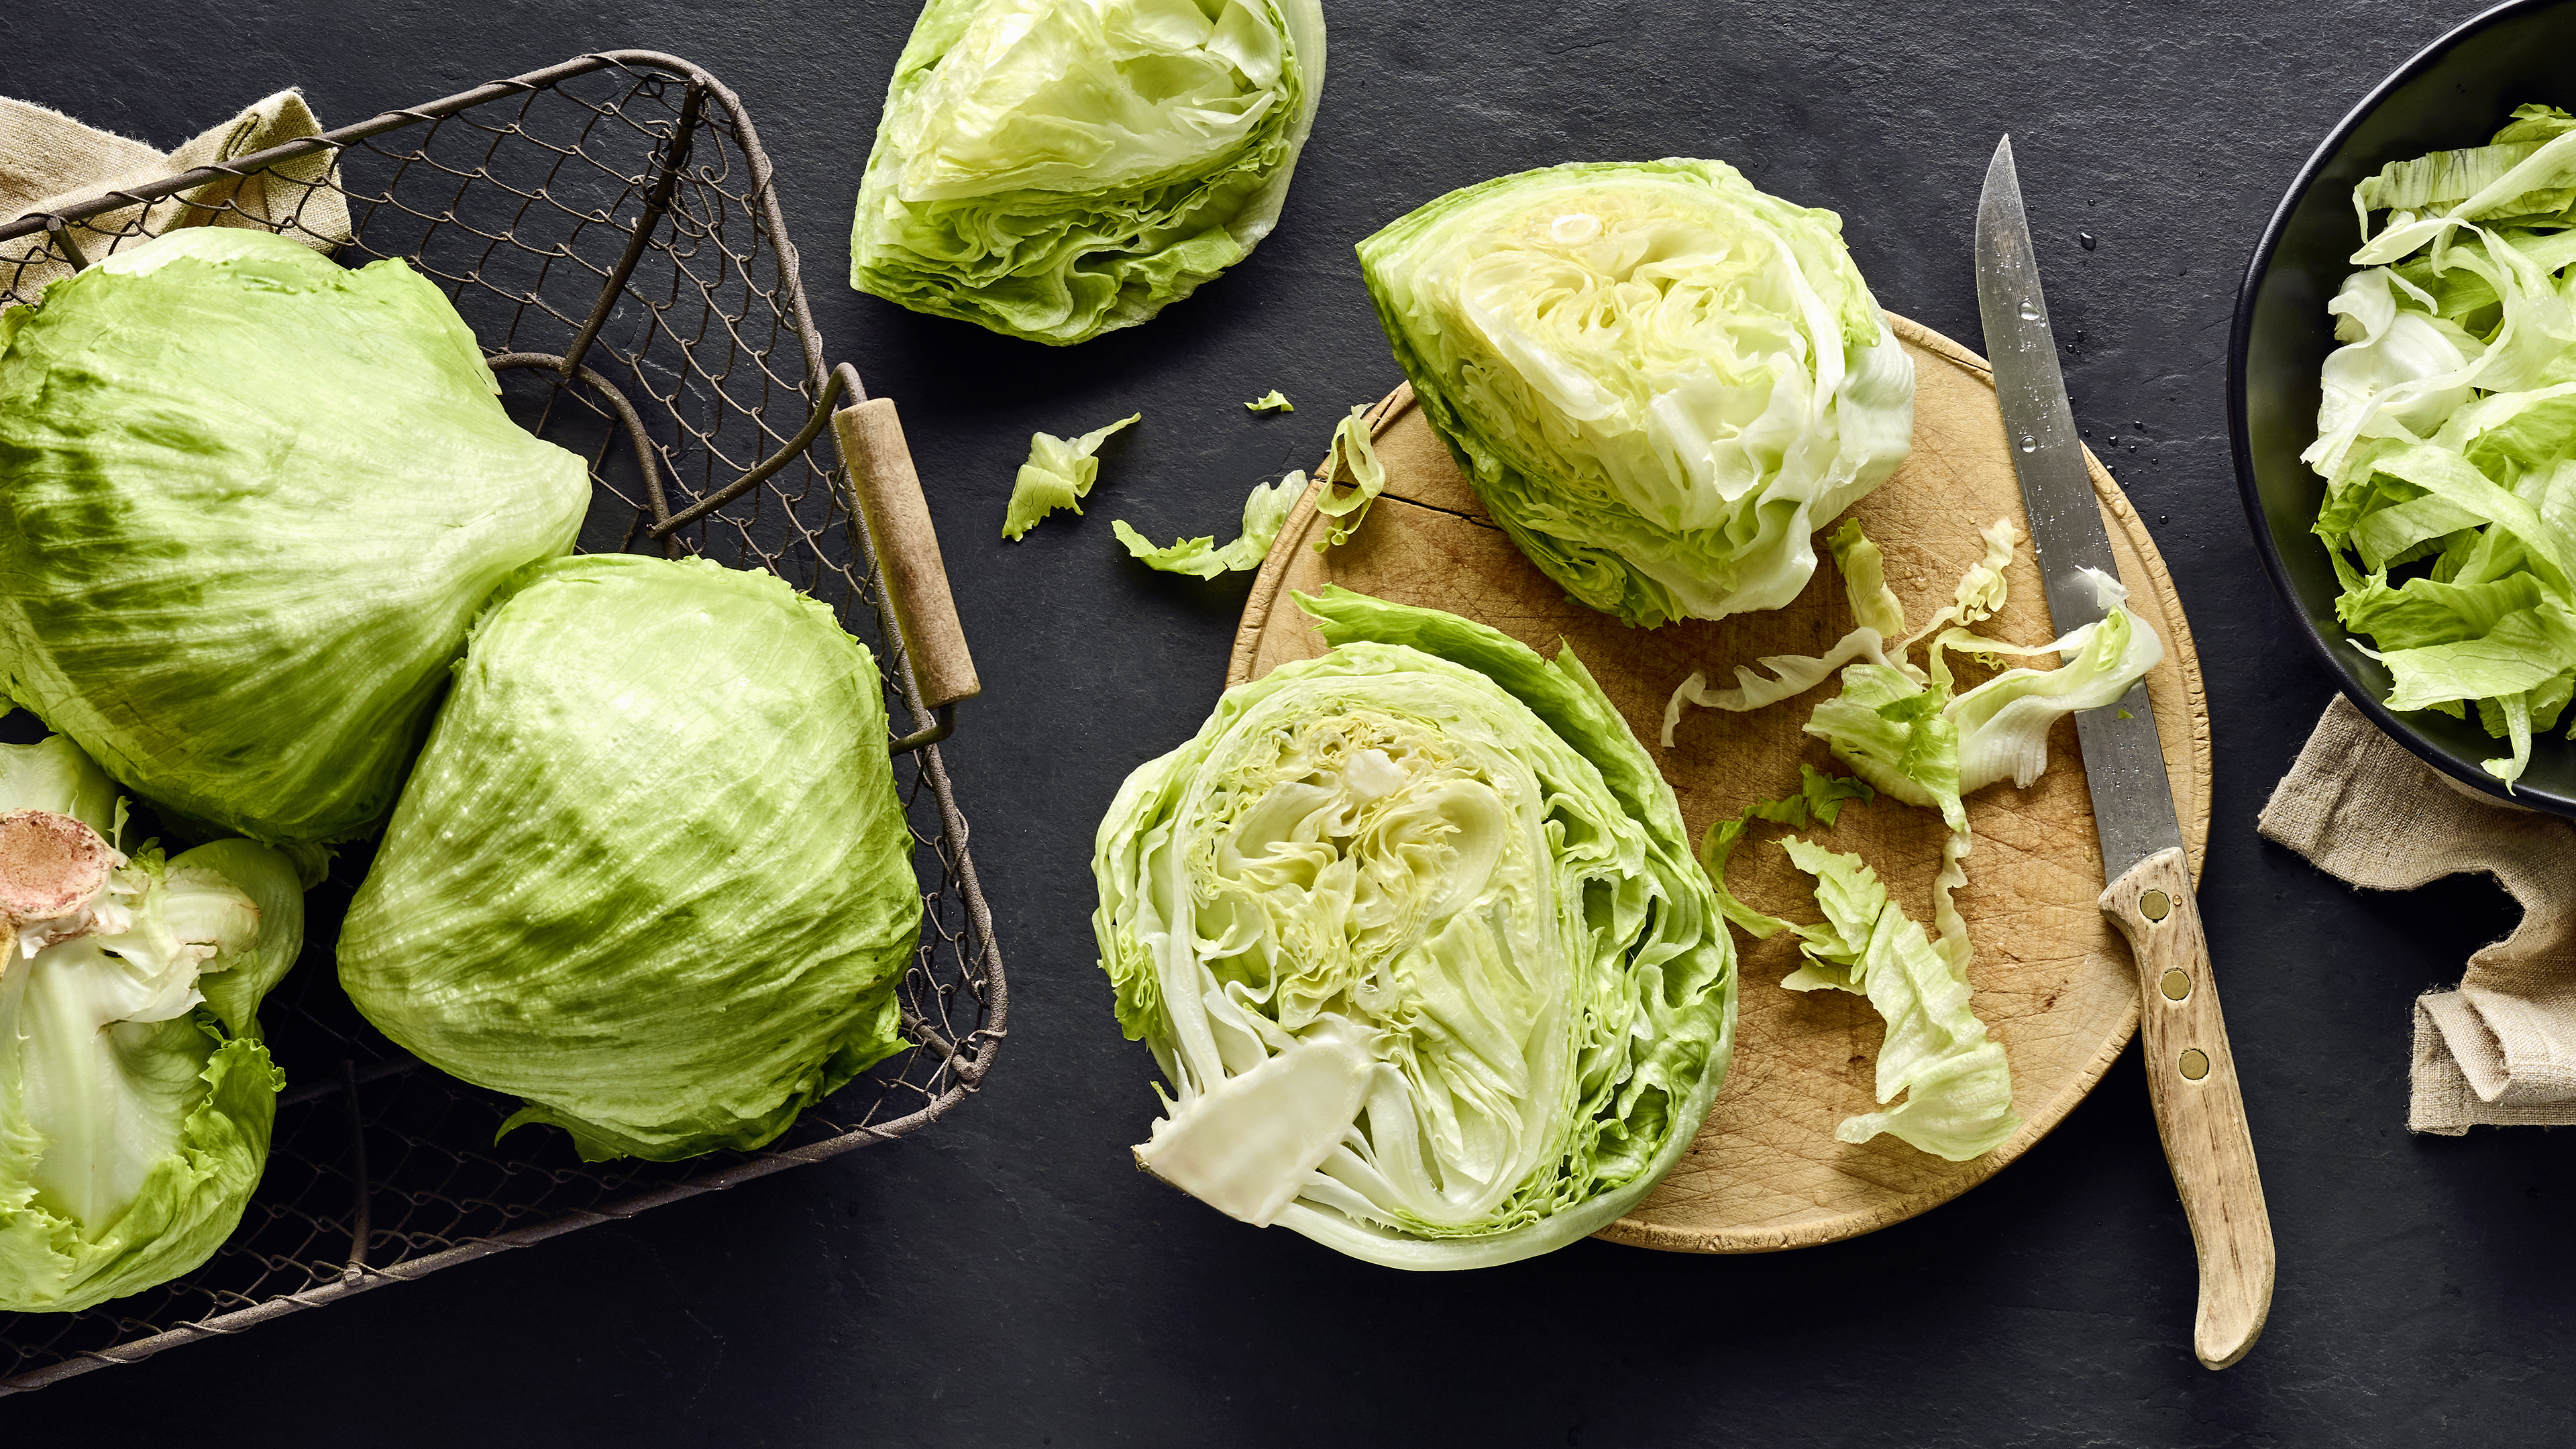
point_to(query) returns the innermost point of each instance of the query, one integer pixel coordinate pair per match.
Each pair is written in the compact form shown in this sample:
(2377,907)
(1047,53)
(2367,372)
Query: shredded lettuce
(2446,431)
(1058,474)
(1263,513)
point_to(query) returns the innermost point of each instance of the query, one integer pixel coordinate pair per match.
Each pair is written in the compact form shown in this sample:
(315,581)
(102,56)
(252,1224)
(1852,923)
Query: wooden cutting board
(2051,979)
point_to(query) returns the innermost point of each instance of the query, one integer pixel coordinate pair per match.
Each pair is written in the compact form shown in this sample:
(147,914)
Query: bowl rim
(2249,491)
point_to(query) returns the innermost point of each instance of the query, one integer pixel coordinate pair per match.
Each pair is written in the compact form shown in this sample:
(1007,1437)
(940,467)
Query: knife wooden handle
(916,580)
(2200,1113)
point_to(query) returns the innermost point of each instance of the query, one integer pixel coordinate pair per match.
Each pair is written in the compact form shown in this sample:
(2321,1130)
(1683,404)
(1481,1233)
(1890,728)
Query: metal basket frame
(680,288)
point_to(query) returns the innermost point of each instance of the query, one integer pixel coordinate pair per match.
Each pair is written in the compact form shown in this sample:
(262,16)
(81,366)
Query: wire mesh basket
(608,228)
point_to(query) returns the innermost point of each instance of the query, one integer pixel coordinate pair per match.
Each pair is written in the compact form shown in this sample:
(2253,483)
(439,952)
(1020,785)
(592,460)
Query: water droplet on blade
(2029,313)
(2028,446)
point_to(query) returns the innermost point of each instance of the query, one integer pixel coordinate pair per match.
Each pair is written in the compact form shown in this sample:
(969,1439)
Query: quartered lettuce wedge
(1659,379)
(1056,169)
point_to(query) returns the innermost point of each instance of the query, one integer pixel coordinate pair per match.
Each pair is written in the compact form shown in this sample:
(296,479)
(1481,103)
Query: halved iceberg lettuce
(1414,931)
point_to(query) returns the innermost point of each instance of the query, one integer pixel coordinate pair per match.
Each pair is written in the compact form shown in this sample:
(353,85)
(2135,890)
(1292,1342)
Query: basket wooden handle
(916,580)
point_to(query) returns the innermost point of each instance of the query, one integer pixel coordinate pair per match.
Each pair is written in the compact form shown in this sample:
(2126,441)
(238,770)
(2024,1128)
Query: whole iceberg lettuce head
(1054,169)
(135,1095)
(650,873)
(250,502)
(1660,380)
(1416,936)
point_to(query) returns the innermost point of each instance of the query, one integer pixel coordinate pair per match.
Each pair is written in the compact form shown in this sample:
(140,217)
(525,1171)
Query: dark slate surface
(1009,1279)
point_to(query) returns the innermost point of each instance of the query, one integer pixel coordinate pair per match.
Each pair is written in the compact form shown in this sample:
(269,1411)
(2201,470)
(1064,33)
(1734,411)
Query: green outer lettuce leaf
(1352,461)
(1263,512)
(129,1144)
(650,873)
(1056,169)
(1058,474)
(1957,1084)
(1659,379)
(250,502)
(1414,932)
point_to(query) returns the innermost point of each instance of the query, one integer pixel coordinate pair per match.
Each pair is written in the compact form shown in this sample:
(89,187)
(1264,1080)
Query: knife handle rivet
(2195,1065)
(2155,905)
(2175,985)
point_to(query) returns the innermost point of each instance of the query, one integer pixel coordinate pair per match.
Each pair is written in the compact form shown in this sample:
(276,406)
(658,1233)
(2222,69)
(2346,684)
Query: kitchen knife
(2199,1110)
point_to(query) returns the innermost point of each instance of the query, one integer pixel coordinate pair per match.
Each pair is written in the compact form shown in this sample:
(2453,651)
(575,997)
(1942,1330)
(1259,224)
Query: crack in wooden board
(2051,978)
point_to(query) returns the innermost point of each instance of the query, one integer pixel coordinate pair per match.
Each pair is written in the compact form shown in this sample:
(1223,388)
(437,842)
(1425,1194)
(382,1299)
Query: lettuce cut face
(1659,379)
(1416,936)
(250,501)
(136,1098)
(1054,169)
(650,873)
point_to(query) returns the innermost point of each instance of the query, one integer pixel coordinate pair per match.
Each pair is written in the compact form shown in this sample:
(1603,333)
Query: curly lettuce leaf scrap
(1352,461)
(1955,1079)
(1273,401)
(1058,474)
(1263,513)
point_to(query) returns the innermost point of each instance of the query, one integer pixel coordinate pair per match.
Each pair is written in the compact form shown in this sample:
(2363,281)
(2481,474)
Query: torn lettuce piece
(1263,513)
(1273,401)
(136,1097)
(1352,461)
(1058,474)
(1864,573)
(1876,639)
(1818,800)
(1894,734)
(1955,1079)
(1415,936)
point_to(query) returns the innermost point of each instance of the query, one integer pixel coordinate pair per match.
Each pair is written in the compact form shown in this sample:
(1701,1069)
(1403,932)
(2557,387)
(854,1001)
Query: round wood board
(2051,979)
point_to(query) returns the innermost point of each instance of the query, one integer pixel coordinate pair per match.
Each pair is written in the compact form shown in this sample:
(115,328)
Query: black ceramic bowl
(2455,93)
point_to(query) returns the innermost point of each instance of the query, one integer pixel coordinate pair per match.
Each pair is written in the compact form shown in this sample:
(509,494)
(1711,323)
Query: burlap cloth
(2501,1048)
(49,161)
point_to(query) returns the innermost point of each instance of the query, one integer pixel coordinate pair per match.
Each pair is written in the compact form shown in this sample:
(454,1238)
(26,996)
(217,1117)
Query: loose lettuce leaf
(252,502)
(1058,474)
(1352,462)
(1273,401)
(135,1096)
(1955,1079)
(1414,933)
(1659,379)
(1054,169)
(650,873)
(1819,800)
(1263,512)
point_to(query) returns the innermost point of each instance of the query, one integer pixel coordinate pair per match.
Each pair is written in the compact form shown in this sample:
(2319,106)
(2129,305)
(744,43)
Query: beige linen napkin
(2501,1049)
(49,161)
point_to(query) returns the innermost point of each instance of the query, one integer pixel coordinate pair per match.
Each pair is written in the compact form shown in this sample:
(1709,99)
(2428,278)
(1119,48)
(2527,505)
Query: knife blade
(2191,1075)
